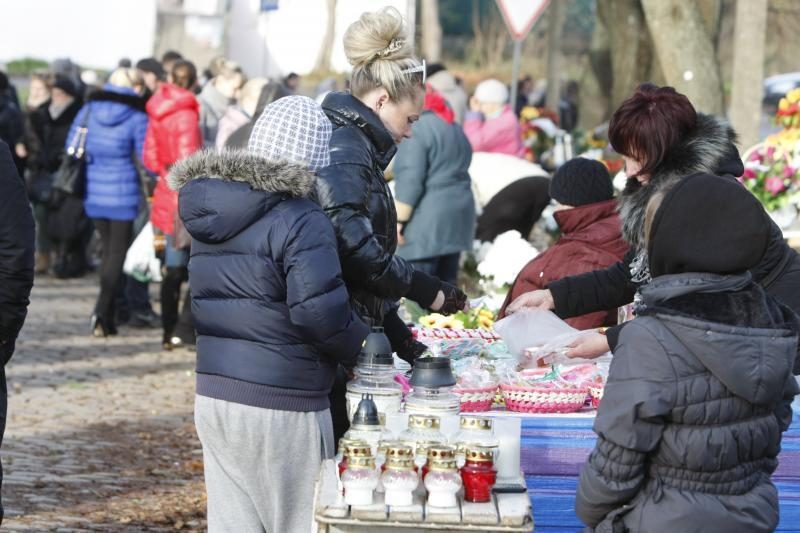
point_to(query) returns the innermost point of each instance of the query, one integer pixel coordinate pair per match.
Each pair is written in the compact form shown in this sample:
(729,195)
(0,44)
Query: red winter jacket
(173,133)
(591,240)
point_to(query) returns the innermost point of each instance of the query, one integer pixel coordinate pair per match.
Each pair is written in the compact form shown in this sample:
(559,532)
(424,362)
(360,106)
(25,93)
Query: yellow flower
(485,322)
(429,321)
(486,313)
(783,105)
(451,323)
(793,96)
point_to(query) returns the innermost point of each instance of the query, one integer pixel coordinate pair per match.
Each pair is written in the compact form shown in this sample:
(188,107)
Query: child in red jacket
(591,236)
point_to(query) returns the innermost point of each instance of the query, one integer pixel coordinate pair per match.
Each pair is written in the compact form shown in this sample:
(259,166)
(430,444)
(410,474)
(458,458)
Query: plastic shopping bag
(537,337)
(141,262)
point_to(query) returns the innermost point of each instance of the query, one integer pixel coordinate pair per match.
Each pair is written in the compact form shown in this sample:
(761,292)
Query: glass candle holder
(399,480)
(359,481)
(475,431)
(438,453)
(423,432)
(443,483)
(478,475)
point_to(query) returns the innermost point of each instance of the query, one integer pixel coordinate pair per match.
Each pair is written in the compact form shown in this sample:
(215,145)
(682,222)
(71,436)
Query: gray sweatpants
(261,465)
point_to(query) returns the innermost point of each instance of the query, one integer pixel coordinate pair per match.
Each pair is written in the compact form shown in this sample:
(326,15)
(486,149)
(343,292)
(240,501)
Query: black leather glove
(410,349)
(454,299)
(400,337)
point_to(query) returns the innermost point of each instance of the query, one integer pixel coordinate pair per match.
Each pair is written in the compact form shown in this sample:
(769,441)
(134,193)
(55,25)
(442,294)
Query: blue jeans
(444,267)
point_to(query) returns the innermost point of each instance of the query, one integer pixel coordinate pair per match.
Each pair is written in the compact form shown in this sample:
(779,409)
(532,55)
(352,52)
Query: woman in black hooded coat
(663,140)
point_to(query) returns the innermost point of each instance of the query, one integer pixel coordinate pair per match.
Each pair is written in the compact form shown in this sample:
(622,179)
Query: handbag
(70,178)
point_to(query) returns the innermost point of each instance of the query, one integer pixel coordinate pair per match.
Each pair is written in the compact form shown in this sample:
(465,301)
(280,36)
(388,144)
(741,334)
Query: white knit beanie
(491,92)
(295,129)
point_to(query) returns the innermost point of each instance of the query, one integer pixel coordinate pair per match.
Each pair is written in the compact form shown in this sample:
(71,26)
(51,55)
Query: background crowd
(298,243)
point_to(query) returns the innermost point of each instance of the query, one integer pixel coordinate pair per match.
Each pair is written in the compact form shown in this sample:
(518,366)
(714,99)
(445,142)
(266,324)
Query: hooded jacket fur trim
(260,174)
(710,149)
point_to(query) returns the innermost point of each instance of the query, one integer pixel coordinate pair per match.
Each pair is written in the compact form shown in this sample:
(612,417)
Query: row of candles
(421,455)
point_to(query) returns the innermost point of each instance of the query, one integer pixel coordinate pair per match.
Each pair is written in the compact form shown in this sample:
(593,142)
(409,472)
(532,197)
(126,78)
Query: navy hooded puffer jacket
(272,313)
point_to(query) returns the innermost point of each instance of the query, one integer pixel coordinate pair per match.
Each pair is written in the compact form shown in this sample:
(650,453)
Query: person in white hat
(491,125)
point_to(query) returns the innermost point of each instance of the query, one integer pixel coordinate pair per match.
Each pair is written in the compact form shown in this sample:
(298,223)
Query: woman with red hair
(662,140)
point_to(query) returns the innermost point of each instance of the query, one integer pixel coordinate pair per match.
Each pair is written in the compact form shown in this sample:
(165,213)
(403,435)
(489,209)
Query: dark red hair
(649,123)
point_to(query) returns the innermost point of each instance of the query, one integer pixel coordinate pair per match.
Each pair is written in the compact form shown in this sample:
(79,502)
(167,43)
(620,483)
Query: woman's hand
(589,346)
(474,105)
(450,299)
(541,299)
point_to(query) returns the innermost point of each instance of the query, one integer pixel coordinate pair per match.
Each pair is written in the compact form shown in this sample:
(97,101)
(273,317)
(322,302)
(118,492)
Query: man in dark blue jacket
(16,268)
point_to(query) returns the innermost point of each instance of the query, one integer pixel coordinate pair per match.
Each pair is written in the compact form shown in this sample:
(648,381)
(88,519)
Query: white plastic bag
(529,328)
(141,262)
(537,337)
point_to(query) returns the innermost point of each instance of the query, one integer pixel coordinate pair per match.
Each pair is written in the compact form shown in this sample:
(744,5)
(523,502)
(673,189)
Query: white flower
(507,256)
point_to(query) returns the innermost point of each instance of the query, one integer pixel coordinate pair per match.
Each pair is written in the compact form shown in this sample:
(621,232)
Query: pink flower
(788,172)
(770,152)
(774,185)
(749,174)
(756,157)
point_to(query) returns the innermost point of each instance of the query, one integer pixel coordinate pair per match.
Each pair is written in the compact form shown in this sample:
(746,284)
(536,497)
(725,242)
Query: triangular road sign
(521,15)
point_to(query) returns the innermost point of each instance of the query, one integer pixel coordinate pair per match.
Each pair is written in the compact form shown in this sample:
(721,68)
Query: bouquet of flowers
(772,168)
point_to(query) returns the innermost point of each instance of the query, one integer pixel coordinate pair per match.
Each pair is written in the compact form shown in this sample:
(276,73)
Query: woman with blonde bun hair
(386,98)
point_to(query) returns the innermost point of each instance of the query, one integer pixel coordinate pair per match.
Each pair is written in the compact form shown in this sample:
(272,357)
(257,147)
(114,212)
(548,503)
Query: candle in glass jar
(399,479)
(478,475)
(359,480)
(442,483)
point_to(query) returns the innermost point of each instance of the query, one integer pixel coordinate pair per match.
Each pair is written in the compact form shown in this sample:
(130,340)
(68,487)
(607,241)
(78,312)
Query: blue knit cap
(293,128)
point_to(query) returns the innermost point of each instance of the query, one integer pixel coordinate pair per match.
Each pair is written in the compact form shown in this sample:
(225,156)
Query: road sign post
(520,16)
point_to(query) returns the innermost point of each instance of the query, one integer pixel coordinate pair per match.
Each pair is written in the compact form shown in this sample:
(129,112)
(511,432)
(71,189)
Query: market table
(555,447)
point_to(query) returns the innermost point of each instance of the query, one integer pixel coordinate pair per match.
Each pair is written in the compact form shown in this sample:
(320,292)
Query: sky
(93,33)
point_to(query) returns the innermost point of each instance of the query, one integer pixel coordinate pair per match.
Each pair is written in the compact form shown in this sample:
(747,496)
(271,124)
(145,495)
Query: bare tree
(748,69)
(685,51)
(431,31)
(323,63)
(554,32)
(490,36)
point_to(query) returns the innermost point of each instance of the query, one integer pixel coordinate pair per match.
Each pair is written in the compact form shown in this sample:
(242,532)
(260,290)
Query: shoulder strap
(77,148)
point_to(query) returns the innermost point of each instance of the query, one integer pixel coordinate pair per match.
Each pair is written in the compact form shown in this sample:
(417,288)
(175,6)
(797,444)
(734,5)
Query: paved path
(100,433)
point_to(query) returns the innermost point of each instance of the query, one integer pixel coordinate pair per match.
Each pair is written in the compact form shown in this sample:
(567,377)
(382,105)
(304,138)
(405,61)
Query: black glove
(454,299)
(400,337)
(410,350)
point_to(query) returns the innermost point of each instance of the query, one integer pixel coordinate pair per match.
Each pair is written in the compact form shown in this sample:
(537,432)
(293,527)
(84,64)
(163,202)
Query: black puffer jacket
(690,425)
(16,255)
(709,149)
(354,194)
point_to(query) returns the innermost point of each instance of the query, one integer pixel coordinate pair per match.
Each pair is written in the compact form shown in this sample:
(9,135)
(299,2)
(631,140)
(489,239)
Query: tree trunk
(431,31)
(630,45)
(595,84)
(554,32)
(685,51)
(323,63)
(748,69)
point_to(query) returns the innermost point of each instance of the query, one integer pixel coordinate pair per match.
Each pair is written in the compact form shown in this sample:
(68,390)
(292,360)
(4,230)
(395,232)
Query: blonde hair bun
(381,35)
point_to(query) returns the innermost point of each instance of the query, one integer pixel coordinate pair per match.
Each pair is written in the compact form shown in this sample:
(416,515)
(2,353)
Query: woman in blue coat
(116,126)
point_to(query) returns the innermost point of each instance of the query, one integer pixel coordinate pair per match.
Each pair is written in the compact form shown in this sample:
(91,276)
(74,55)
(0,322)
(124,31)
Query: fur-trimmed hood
(710,148)
(223,193)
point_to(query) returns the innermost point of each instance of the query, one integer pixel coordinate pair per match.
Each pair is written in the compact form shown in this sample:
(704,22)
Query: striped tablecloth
(554,449)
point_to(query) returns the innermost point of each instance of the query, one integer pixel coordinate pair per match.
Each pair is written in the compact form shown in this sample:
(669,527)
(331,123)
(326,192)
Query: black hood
(344,109)
(710,148)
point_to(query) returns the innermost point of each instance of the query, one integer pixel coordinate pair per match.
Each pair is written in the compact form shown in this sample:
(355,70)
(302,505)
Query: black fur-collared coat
(710,148)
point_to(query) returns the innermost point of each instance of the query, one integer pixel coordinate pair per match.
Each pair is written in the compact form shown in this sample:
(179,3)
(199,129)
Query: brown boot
(42,263)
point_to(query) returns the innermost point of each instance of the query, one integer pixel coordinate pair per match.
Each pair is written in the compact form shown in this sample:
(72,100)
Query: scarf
(436,103)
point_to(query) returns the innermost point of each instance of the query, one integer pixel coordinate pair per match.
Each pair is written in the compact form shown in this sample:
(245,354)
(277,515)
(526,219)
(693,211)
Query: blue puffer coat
(117,125)
(272,313)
